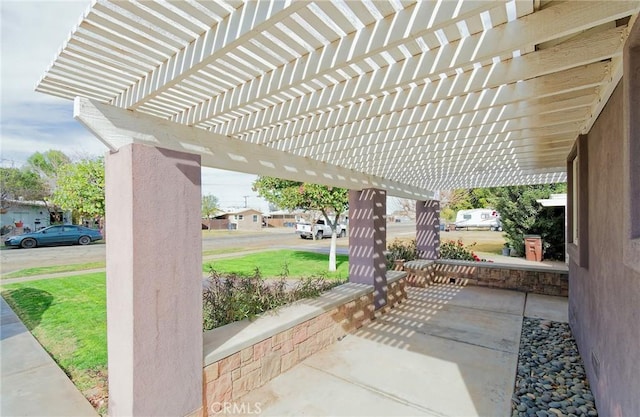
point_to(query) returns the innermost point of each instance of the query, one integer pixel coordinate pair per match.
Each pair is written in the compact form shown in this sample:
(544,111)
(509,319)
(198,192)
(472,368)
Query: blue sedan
(55,235)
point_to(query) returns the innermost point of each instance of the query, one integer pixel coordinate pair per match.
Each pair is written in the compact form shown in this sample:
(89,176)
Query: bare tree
(407,207)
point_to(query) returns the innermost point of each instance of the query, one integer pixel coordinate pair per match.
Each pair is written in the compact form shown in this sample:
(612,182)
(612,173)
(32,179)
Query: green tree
(209,207)
(293,195)
(482,197)
(48,165)
(20,184)
(464,199)
(80,188)
(451,201)
(521,214)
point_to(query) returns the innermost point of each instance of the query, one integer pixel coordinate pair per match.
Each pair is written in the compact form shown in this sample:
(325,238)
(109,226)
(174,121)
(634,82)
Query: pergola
(379,96)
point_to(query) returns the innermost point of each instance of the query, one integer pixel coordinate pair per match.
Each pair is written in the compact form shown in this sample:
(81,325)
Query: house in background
(235,219)
(28,215)
(282,218)
(247,219)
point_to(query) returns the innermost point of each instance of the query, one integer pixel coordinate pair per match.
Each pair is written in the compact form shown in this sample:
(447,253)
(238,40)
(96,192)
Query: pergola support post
(428,229)
(368,241)
(154,281)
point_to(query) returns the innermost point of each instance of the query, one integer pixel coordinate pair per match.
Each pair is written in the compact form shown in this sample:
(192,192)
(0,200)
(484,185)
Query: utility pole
(245,200)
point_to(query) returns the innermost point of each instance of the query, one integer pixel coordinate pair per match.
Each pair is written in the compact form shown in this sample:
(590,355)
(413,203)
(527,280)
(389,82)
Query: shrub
(521,214)
(401,249)
(452,249)
(311,287)
(233,297)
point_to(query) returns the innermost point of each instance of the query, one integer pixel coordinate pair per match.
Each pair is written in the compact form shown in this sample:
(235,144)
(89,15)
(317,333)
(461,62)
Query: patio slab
(447,351)
(547,307)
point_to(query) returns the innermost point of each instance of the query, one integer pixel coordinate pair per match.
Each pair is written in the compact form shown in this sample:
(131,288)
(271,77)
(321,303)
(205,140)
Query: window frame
(578,202)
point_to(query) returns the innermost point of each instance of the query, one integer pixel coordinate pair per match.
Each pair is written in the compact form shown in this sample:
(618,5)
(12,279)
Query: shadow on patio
(446,351)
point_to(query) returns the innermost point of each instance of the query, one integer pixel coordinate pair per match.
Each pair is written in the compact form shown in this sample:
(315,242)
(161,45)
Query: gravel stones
(551,381)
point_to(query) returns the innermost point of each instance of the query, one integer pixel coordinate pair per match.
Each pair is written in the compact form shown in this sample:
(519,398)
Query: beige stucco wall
(604,300)
(247,222)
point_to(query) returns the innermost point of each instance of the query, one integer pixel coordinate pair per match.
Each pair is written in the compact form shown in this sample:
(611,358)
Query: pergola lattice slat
(233,30)
(576,53)
(340,53)
(423,94)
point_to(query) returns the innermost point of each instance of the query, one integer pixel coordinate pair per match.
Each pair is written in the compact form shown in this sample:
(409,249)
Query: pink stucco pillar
(428,229)
(368,241)
(154,282)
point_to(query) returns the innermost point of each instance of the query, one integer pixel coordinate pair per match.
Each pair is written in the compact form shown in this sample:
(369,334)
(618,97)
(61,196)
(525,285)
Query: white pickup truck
(319,229)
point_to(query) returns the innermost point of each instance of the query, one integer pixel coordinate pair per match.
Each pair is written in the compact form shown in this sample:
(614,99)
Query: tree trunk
(332,250)
(334,240)
(101,226)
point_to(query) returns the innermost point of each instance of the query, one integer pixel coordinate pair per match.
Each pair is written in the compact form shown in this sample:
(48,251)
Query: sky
(32,33)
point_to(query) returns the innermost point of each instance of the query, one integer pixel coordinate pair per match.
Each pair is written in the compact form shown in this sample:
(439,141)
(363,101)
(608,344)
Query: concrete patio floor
(446,351)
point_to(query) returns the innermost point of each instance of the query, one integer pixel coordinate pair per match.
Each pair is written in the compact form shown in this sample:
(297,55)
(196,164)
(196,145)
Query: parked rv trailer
(479,218)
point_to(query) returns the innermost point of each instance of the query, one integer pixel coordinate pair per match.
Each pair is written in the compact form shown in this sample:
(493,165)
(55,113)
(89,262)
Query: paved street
(281,238)
(16,259)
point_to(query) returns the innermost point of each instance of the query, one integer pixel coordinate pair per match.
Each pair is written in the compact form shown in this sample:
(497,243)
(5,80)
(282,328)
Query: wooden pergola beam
(117,127)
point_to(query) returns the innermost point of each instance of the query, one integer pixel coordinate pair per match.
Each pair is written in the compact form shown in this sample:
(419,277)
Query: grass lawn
(488,247)
(222,251)
(272,264)
(68,317)
(485,241)
(28,272)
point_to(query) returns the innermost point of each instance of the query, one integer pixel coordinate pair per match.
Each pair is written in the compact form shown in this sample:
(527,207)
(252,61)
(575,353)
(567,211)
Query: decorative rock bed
(551,380)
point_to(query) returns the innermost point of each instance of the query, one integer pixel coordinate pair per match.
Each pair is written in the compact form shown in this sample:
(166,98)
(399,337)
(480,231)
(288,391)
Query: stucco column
(428,229)
(368,241)
(154,282)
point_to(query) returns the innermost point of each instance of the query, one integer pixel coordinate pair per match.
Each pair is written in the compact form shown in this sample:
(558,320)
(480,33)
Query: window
(240,217)
(255,218)
(578,203)
(466,216)
(575,213)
